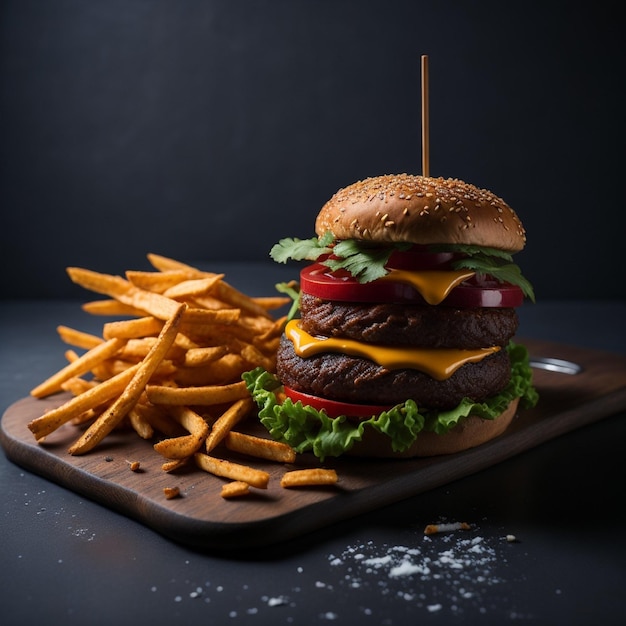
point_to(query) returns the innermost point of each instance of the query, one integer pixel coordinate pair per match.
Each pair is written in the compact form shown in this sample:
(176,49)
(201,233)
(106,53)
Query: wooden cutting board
(202,518)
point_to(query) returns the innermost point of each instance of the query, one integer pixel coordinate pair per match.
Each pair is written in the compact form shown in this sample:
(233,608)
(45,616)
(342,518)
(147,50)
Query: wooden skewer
(425,122)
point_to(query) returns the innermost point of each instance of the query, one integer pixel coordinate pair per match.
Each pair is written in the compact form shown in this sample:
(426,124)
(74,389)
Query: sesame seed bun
(471,432)
(421,210)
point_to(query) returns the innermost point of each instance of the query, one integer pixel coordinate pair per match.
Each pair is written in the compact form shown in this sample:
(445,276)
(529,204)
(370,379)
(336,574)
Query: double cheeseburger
(403,344)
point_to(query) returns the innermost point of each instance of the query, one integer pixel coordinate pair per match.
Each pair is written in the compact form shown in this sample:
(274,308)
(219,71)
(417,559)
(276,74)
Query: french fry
(255,357)
(88,416)
(184,342)
(165,264)
(200,396)
(71,355)
(270,303)
(178,447)
(82,365)
(195,357)
(136,386)
(235,489)
(432,529)
(158,282)
(225,423)
(76,385)
(185,445)
(105,391)
(260,447)
(197,316)
(133,329)
(232,296)
(176,464)
(117,287)
(156,418)
(111,308)
(234,471)
(308,477)
(139,424)
(78,338)
(193,287)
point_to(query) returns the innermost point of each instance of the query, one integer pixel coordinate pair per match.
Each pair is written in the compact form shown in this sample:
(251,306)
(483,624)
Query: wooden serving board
(200,517)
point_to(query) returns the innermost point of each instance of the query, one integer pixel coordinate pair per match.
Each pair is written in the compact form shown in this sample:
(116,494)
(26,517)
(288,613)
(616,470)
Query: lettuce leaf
(309,430)
(367,262)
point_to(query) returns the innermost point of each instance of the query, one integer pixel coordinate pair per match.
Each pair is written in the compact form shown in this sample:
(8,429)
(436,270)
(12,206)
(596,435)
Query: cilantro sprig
(362,260)
(294,249)
(491,262)
(366,262)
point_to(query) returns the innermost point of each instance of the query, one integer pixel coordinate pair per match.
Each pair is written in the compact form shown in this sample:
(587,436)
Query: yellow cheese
(439,363)
(433,285)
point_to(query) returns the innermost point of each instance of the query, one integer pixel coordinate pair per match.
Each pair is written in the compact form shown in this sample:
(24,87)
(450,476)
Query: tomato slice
(334,408)
(318,280)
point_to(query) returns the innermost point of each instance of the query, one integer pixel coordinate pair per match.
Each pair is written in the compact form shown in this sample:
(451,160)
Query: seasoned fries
(309,477)
(186,445)
(171,372)
(234,471)
(227,421)
(96,396)
(235,489)
(129,397)
(78,367)
(260,447)
(206,395)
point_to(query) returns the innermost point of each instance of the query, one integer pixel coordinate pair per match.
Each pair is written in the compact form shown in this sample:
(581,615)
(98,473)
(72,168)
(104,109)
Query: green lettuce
(367,262)
(308,430)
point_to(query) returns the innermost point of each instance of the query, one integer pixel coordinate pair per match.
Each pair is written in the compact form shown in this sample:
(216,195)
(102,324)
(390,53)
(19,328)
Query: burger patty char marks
(419,326)
(352,379)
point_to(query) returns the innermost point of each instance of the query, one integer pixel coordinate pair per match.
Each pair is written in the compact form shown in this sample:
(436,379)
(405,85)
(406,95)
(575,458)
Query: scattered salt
(450,574)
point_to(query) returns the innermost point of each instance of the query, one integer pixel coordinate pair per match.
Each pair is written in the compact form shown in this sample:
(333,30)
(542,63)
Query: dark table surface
(68,560)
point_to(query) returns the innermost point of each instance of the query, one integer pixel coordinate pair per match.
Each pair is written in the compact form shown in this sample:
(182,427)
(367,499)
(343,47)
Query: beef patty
(421,326)
(352,379)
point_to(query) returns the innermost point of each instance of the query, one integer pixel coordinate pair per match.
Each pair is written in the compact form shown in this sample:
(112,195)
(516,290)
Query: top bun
(421,210)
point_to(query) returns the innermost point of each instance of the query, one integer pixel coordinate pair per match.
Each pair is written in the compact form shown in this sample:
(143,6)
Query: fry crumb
(134,465)
(171,492)
(433,529)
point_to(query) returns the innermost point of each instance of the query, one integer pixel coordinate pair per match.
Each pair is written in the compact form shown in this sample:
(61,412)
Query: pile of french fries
(171,370)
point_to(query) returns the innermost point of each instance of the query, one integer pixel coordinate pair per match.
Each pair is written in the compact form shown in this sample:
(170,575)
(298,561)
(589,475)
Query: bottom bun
(471,432)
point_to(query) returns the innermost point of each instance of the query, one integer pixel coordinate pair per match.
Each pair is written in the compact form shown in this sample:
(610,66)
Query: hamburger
(401,344)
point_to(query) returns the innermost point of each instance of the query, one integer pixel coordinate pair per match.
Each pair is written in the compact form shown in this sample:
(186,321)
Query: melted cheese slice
(439,363)
(433,285)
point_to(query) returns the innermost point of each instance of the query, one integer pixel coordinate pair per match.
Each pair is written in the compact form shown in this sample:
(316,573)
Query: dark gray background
(207,130)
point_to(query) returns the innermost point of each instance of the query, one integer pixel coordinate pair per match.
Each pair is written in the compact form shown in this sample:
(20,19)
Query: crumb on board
(171,492)
(433,529)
